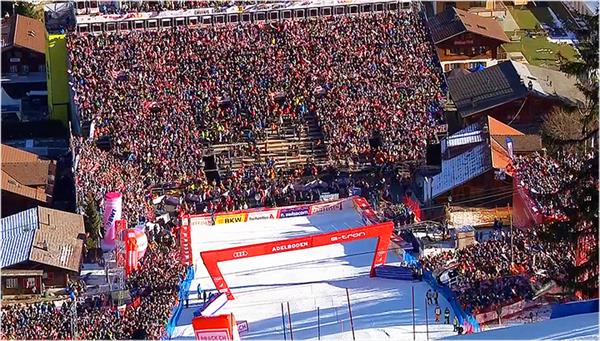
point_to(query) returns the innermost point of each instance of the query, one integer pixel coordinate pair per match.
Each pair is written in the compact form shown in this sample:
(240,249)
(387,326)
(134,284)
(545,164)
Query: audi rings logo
(240,254)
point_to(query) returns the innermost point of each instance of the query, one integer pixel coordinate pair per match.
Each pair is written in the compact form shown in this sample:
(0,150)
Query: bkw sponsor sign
(231,218)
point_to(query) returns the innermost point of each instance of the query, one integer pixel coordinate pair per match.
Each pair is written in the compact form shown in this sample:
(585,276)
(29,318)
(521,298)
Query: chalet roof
(453,22)
(486,89)
(509,81)
(25,32)
(476,149)
(25,173)
(43,235)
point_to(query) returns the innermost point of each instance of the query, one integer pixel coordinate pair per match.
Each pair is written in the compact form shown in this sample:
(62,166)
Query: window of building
(42,68)
(477,4)
(14,68)
(455,51)
(12,283)
(30,282)
(25,68)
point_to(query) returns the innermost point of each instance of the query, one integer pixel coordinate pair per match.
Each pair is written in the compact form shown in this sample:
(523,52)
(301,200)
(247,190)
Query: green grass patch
(525,19)
(539,51)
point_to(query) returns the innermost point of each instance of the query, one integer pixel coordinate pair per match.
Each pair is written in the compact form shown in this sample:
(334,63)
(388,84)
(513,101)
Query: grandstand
(325,101)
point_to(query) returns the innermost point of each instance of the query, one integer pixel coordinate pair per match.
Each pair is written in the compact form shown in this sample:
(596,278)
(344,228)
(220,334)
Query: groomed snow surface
(307,279)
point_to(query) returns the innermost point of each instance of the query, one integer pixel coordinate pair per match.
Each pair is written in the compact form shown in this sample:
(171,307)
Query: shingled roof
(43,235)
(476,149)
(453,22)
(486,89)
(26,174)
(25,32)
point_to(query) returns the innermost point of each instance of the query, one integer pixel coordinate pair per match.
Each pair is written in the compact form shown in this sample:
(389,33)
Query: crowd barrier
(574,308)
(469,322)
(214,304)
(394,272)
(506,311)
(184,288)
(265,213)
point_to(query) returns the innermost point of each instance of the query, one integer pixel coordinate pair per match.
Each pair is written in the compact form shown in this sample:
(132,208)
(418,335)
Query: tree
(586,72)
(35,11)
(93,221)
(563,125)
(580,230)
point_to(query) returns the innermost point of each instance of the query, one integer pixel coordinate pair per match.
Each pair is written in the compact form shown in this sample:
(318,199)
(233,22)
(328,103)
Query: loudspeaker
(434,155)
(375,141)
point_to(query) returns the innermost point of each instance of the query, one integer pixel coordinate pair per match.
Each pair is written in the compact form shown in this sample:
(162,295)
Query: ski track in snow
(307,279)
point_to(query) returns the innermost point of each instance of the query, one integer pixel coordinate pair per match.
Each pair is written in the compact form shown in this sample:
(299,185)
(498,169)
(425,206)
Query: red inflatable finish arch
(381,231)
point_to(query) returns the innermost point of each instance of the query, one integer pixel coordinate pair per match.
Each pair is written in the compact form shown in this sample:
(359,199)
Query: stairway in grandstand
(284,146)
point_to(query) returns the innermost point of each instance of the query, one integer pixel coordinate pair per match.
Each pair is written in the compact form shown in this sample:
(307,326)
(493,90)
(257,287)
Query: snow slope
(307,279)
(576,327)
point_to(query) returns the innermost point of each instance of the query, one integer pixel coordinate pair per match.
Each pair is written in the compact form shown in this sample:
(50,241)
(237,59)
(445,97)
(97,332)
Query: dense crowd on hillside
(154,291)
(489,276)
(546,179)
(167,94)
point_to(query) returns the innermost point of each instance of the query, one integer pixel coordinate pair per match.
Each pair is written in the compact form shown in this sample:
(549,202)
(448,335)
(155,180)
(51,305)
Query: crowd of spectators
(168,94)
(399,213)
(546,180)
(263,185)
(153,289)
(490,274)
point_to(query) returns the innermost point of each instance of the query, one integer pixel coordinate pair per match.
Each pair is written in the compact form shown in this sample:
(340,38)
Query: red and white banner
(326,207)
(215,328)
(131,252)
(185,245)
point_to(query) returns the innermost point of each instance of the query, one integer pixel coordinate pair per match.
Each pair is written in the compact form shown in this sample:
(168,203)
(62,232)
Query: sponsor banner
(485,317)
(185,245)
(329,196)
(113,204)
(512,309)
(200,221)
(356,191)
(263,215)
(231,218)
(337,206)
(294,212)
(212,335)
(348,236)
(242,326)
(283,246)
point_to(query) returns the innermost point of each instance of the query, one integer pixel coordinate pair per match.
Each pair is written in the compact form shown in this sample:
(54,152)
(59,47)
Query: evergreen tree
(586,72)
(93,221)
(580,230)
(29,9)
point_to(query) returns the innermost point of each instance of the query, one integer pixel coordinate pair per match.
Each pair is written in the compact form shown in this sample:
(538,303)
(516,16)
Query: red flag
(414,206)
